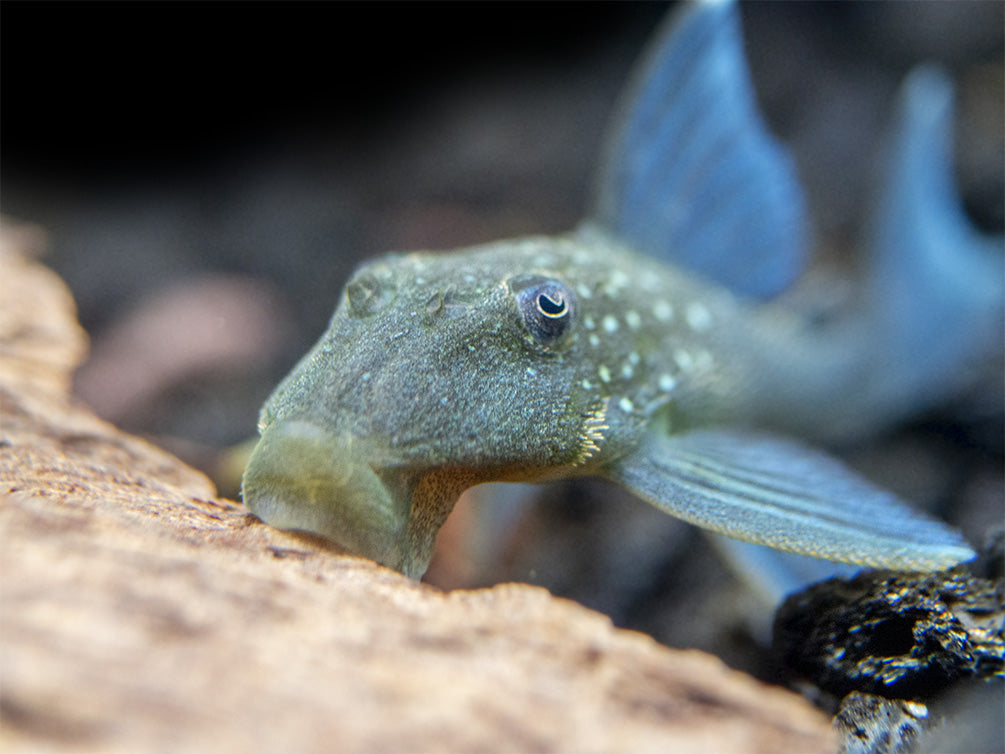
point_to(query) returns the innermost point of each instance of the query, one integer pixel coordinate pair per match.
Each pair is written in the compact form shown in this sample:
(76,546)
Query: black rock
(894,634)
(871,724)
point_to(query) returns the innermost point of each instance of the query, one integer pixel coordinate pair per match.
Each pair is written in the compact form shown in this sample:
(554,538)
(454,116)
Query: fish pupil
(552,304)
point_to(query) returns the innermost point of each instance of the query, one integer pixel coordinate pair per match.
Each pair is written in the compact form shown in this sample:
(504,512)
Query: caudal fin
(937,284)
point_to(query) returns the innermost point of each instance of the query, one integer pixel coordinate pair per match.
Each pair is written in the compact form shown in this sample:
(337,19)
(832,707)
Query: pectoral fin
(775,492)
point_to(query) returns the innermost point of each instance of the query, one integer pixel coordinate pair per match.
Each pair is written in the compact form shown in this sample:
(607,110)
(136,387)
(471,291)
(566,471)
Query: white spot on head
(594,340)
(587,385)
(698,317)
(667,382)
(634,358)
(584,291)
(588,323)
(663,311)
(703,359)
(618,279)
(626,405)
(633,319)
(650,283)
(627,371)
(610,323)
(604,373)
(683,359)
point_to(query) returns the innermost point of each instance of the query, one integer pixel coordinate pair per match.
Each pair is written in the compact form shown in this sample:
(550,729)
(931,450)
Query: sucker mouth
(301,477)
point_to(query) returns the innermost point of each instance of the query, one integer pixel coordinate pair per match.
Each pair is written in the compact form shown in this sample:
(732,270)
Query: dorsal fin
(692,176)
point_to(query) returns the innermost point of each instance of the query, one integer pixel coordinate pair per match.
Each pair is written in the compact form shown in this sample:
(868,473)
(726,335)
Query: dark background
(207,175)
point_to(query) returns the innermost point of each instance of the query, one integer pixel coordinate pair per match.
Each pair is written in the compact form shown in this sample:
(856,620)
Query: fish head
(437,372)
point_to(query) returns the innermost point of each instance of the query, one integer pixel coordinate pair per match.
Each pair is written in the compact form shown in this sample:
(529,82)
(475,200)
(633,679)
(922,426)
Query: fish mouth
(302,477)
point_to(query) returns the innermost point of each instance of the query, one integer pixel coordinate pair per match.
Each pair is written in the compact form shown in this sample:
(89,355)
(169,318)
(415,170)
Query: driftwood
(139,612)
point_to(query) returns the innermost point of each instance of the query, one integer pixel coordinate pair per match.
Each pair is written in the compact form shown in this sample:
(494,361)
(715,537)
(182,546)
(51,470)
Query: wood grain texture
(138,612)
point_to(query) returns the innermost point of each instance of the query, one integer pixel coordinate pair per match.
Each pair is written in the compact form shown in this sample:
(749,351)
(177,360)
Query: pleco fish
(649,345)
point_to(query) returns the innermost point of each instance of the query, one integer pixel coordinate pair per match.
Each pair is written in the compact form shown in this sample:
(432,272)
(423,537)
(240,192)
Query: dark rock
(871,724)
(894,634)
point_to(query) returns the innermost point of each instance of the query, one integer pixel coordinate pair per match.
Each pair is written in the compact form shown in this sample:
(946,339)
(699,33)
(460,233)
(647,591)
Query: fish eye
(546,307)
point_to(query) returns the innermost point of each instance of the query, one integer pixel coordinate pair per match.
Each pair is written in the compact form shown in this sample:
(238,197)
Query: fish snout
(302,477)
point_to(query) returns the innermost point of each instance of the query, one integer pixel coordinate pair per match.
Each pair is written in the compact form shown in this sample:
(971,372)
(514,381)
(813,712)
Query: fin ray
(692,174)
(772,491)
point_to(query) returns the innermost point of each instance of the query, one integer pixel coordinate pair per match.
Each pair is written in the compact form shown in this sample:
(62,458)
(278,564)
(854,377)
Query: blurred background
(208,176)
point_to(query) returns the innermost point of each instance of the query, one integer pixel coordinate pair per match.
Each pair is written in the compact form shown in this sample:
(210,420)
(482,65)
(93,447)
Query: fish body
(625,350)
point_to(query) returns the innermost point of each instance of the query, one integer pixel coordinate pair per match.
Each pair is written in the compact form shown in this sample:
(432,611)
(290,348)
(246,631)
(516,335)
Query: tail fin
(937,284)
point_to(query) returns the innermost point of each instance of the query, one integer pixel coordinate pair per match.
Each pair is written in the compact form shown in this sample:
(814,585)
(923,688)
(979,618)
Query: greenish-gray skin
(650,346)
(546,358)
